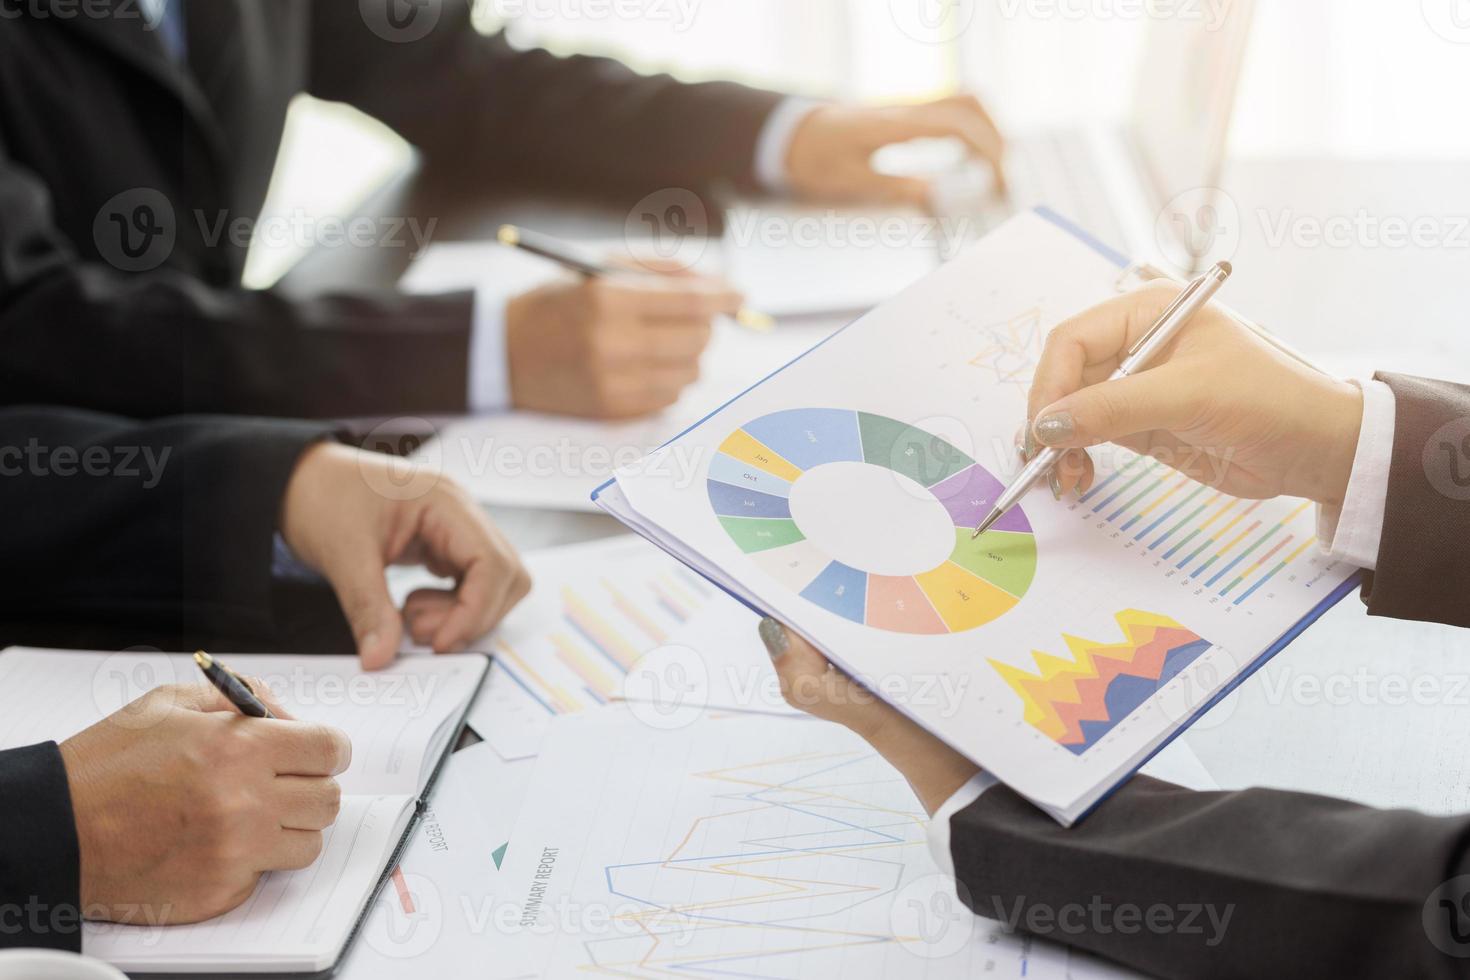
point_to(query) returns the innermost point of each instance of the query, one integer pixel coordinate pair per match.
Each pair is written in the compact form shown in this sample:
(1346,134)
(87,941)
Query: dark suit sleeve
(40,877)
(1423,567)
(1255,883)
(157,534)
(81,333)
(479,108)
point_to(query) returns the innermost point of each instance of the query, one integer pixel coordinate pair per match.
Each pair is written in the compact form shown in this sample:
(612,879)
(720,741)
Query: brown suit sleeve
(1263,882)
(1424,555)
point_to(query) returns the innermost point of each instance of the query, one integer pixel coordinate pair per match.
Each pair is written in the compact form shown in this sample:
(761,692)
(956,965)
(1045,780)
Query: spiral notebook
(403,723)
(1059,651)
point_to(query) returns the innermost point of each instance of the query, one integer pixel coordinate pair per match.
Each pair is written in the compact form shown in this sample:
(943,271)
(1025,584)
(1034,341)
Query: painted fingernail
(1031,446)
(773,635)
(1056,486)
(1056,428)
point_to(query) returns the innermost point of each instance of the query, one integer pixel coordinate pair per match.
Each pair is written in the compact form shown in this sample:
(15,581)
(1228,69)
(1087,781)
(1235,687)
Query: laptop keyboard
(1056,170)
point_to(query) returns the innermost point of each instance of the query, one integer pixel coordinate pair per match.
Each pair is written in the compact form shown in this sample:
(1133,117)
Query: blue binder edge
(1122,262)
(1330,600)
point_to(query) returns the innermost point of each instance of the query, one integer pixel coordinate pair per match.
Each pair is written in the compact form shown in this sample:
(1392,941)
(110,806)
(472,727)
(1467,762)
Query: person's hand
(349,515)
(1220,405)
(181,803)
(831,152)
(811,684)
(615,347)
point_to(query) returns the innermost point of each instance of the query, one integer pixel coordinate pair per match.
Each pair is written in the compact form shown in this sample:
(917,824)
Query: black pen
(570,257)
(235,688)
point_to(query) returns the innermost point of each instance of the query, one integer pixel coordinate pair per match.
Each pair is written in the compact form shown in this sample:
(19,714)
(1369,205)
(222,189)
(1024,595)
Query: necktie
(168,15)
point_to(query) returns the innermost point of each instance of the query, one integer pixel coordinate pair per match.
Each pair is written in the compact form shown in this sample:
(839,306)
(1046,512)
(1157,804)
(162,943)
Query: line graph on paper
(794,871)
(1004,348)
(1011,347)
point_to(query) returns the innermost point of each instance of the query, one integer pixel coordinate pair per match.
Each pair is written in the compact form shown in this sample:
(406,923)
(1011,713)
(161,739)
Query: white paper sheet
(756,847)
(615,620)
(839,495)
(446,910)
(436,917)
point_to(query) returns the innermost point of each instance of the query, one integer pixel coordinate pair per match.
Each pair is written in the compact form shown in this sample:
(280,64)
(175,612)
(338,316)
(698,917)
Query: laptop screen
(1187,81)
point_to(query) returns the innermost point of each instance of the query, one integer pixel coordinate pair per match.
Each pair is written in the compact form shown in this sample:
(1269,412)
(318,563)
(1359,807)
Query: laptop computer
(1145,187)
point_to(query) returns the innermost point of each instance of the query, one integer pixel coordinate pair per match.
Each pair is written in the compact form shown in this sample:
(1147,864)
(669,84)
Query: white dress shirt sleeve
(1352,532)
(939,823)
(774,142)
(489,369)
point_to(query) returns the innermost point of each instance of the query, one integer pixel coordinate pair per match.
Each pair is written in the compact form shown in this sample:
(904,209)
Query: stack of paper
(737,845)
(616,620)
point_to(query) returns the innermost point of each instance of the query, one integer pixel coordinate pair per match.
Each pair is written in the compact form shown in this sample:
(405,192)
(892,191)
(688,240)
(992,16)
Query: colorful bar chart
(1293,556)
(1230,545)
(750,483)
(604,627)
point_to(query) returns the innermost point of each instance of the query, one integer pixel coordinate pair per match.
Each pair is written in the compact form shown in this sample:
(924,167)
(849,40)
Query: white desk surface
(1337,712)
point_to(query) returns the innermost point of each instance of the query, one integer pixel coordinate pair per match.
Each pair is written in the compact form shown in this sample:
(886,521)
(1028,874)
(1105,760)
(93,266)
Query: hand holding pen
(181,804)
(606,345)
(236,689)
(1222,404)
(1138,355)
(569,256)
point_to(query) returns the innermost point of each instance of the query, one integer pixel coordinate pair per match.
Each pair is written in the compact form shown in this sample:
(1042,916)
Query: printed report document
(1058,651)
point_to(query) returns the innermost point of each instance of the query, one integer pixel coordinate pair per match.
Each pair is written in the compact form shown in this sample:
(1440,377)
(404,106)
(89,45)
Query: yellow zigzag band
(1056,681)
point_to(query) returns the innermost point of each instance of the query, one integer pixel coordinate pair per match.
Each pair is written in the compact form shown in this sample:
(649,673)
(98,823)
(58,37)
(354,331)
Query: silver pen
(1193,299)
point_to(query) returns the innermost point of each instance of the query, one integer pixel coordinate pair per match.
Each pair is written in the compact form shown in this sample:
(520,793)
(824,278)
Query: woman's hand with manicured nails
(812,684)
(1220,404)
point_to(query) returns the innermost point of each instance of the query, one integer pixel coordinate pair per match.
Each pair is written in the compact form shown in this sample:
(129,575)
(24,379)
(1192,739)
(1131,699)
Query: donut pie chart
(759,471)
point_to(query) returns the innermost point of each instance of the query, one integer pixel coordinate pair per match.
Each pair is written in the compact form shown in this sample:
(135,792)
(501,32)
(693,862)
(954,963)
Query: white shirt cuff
(489,370)
(775,141)
(1352,532)
(939,823)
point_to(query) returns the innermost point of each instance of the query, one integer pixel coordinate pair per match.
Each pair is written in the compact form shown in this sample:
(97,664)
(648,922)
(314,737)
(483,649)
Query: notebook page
(399,721)
(397,718)
(296,921)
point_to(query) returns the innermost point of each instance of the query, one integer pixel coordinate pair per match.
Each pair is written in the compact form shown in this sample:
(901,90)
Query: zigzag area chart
(791,874)
(1075,702)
